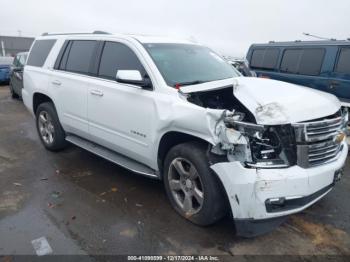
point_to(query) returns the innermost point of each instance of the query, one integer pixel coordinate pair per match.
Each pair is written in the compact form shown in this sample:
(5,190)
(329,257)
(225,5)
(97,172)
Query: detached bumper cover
(249,190)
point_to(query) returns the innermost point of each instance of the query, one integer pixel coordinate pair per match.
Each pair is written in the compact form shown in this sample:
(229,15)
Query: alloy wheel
(186,186)
(46,128)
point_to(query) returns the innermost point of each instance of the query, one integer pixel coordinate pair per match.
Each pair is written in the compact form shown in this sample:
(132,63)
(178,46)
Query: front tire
(49,128)
(192,188)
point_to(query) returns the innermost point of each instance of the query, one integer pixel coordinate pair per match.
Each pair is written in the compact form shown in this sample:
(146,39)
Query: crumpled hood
(275,102)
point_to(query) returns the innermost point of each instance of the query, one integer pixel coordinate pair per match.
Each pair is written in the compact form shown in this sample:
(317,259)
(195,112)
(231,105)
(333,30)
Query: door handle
(96,92)
(333,85)
(56,83)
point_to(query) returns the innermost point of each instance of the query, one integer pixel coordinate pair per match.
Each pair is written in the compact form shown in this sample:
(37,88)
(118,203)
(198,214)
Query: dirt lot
(83,204)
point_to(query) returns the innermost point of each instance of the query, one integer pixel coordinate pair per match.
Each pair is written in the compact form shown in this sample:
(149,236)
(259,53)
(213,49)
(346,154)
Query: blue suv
(323,65)
(5,65)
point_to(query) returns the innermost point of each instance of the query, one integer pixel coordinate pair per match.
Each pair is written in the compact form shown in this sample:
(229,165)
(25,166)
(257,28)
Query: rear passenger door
(70,83)
(340,82)
(120,115)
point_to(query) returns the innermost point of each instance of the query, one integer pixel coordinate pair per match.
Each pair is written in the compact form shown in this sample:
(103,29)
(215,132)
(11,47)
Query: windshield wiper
(196,82)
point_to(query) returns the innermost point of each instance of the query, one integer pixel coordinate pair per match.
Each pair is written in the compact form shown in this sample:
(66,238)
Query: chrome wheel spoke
(42,119)
(192,174)
(179,167)
(50,137)
(187,204)
(46,128)
(175,185)
(198,195)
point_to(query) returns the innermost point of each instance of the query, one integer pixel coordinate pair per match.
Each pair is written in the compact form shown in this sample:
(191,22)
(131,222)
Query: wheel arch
(39,98)
(171,139)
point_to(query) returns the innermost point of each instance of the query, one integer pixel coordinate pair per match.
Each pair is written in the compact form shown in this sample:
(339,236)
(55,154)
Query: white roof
(140,38)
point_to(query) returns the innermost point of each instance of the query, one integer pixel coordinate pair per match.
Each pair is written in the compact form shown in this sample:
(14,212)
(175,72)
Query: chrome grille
(316,140)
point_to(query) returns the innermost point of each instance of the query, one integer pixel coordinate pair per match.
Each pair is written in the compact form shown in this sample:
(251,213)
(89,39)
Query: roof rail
(97,32)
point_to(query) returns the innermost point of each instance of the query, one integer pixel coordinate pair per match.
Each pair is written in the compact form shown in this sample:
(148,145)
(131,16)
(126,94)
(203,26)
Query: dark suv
(323,65)
(16,74)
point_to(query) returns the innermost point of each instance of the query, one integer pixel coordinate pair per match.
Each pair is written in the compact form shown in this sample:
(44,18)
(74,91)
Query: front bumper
(249,190)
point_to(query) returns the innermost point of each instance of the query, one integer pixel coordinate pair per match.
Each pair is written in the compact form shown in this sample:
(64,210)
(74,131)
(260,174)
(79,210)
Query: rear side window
(343,65)
(39,52)
(117,56)
(290,61)
(257,58)
(303,61)
(79,56)
(311,61)
(265,58)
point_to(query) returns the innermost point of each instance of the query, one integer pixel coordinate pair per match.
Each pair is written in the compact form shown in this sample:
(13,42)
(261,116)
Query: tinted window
(311,61)
(270,58)
(117,56)
(343,65)
(16,61)
(257,58)
(80,55)
(265,58)
(39,52)
(290,61)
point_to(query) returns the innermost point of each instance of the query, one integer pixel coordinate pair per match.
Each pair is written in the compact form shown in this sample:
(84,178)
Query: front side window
(117,56)
(79,56)
(311,61)
(185,64)
(343,65)
(16,61)
(23,59)
(39,52)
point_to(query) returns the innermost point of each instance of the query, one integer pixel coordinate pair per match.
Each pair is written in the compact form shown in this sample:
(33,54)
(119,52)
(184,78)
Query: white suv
(173,110)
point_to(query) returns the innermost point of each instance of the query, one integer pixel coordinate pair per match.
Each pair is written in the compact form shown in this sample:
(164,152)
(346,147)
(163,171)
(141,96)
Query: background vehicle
(16,74)
(176,111)
(323,65)
(5,64)
(242,66)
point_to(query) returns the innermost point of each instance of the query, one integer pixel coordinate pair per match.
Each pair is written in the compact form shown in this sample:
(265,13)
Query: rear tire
(49,128)
(191,186)
(13,94)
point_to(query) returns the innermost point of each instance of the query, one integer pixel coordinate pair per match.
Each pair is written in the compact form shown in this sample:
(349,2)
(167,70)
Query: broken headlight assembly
(270,146)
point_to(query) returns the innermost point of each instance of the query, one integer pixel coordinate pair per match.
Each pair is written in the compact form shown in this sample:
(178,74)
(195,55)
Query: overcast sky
(228,26)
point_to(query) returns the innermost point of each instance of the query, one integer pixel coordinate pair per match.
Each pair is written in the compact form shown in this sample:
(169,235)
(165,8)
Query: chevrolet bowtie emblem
(339,138)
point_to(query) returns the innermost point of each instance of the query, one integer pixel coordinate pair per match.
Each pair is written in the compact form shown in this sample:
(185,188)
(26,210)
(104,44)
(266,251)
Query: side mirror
(133,77)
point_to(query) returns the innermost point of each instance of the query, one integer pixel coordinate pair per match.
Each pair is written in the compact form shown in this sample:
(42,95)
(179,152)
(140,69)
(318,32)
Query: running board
(112,156)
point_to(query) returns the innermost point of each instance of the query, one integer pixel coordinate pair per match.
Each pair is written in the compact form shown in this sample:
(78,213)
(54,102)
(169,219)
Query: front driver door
(121,116)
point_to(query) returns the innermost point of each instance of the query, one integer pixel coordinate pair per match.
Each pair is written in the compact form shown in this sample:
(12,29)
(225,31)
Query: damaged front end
(257,146)
(276,162)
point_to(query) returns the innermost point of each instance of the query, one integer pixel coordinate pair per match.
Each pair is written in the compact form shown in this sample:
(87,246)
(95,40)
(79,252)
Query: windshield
(186,64)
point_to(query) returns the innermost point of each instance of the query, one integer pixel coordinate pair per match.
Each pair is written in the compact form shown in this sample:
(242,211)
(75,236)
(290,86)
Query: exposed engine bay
(241,138)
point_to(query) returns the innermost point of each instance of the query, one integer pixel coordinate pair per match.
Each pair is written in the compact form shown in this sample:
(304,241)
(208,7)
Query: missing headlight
(270,146)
